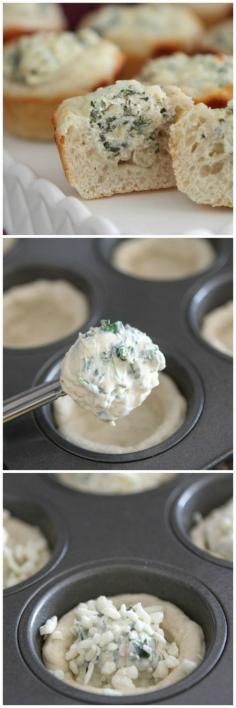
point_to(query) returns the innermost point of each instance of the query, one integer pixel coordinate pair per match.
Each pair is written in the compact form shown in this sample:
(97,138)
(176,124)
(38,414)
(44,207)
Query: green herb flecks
(108,326)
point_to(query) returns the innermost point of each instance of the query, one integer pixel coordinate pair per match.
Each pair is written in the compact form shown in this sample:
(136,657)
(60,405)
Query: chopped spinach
(108,326)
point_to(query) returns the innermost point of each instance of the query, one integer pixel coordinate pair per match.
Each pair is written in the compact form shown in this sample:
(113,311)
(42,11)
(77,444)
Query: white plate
(39,200)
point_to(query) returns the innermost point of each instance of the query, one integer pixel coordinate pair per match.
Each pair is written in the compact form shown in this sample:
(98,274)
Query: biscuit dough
(178,629)
(217,328)
(41,312)
(214,533)
(8,243)
(113,482)
(161,414)
(25,550)
(163,258)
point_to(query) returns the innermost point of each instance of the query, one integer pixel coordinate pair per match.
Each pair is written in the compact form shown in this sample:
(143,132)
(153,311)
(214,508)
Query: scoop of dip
(214,533)
(113,482)
(111,369)
(123,645)
(25,550)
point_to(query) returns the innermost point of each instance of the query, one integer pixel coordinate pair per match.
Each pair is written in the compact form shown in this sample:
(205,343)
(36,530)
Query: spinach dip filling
(121,645)
(111,369)
(25,550)
(34,60)
(127,121)
(214,533)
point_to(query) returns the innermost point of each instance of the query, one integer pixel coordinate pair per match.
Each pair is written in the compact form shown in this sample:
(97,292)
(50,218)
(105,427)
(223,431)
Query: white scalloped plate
(38,200)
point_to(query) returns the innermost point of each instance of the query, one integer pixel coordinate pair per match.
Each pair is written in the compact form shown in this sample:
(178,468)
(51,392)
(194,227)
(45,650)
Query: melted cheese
(34,60)
(137,30)
(197,75)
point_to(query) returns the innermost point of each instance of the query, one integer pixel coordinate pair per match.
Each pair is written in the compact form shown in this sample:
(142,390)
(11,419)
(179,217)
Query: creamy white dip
(111,369)
(25,550)
(161,414)
(214,533)
(163,258)
(113,482)
(35,60)
(41,312)
(217,328)
(123,645)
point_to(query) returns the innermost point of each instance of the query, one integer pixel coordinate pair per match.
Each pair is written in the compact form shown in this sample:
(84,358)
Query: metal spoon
(27,401)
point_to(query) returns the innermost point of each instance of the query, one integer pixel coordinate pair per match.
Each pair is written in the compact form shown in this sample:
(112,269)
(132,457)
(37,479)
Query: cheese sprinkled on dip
(111,369)
(125,644)
(214,533)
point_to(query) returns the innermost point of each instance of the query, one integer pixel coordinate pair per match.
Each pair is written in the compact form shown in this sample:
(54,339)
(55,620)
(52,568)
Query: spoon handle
(27,401)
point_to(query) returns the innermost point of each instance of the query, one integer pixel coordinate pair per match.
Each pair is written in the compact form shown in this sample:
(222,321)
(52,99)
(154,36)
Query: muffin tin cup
(163,310)
(182,373)
(209,296)
(116,544)
(52,526)
(207,493)
(116,577)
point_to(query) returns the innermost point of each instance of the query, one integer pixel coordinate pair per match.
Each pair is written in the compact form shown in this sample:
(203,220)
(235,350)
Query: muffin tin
(104,544)
(169,311)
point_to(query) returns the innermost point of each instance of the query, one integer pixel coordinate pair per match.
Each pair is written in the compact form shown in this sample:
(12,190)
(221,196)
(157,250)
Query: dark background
(75,10)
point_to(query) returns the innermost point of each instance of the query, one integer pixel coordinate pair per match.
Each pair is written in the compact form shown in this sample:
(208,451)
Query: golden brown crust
(31,117)
(12,33)
(134,64)
(218,98)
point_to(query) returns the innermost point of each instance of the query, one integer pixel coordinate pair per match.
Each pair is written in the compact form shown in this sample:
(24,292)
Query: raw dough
(113,482)
(111,369)
(214,533)
(25,550)
(8,243)
(163,258)
(177,627)
(161,414)
(217,328)
(41,312)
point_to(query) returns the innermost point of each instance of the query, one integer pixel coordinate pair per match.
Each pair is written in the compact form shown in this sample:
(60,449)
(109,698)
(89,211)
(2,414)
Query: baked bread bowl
(219,38)
(41,70)
(207,78)
(146,30)
(211,12)
(201,146)
(29,17)
(115,140)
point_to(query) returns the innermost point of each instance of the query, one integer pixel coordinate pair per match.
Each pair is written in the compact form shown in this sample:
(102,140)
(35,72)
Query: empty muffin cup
(111,578)
(163,258)
(41,311)
(207,493)
(165,417)
(34,542)
(211,314)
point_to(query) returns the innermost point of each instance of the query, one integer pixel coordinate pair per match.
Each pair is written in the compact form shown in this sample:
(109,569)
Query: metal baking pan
(114,544)
(169,311)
